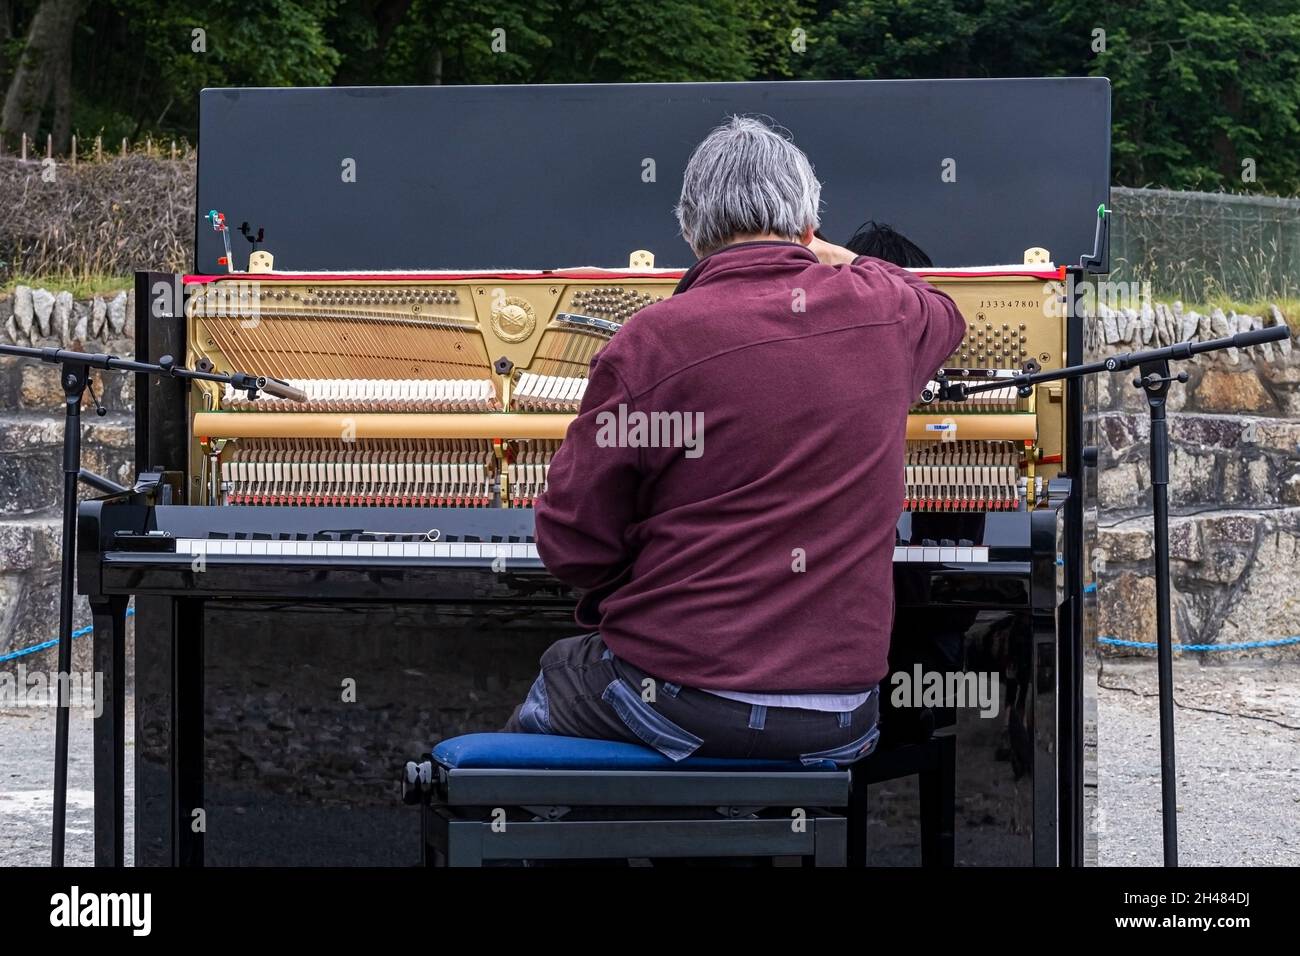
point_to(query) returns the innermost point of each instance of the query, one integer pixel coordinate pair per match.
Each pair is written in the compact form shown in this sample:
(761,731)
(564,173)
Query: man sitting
(728,494)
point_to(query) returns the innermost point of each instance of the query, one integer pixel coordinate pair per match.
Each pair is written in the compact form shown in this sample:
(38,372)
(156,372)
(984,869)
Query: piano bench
(536,797)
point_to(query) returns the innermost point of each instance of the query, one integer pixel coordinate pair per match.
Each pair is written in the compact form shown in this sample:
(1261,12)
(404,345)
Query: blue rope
(1244,645)
(45,645)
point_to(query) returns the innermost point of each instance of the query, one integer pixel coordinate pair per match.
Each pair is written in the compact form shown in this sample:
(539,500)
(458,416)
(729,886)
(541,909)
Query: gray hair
(746,178)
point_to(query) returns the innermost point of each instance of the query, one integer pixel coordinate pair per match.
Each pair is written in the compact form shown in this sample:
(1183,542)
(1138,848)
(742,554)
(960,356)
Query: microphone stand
(75,379)
(1154,379)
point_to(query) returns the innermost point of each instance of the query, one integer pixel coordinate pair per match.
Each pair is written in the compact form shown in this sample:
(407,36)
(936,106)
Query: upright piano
(327,584)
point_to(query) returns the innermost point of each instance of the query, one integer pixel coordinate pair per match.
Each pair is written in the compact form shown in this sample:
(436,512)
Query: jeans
(583,690)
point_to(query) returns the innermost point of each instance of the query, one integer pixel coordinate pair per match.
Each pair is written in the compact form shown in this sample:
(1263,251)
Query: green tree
(143,62)
(1204,90)
(906,39)
(1199,87)
(584,41)
(42,76)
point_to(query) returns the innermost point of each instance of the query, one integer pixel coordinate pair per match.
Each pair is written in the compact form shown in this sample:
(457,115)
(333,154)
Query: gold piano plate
(431,328)
(441,365)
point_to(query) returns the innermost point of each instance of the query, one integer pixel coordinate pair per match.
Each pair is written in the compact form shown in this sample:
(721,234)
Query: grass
(1290,308)
(81,286)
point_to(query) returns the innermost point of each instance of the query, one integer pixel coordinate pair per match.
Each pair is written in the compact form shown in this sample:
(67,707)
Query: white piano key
(963,556)
(980,555)
(932,555)
(947,554)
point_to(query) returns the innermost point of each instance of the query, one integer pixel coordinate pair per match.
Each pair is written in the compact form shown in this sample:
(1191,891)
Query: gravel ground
(1238,732)
(27,787)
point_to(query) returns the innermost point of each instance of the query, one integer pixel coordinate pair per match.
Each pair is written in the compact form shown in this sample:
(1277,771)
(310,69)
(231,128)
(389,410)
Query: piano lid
(541,177)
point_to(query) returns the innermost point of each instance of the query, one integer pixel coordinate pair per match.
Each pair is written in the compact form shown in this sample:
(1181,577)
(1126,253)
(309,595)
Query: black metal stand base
(1154,380)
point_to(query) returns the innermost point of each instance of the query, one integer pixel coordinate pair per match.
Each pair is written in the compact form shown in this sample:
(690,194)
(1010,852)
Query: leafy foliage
(1200,87)
(1204,90)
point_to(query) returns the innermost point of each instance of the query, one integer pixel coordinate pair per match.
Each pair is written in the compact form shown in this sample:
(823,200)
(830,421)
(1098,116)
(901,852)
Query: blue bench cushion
(550,752)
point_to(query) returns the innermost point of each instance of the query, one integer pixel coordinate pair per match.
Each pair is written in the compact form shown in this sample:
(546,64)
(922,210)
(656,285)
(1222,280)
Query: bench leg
(831,841)
(857,812)
(938,783)
(427,852)
(446,841)
(465,843)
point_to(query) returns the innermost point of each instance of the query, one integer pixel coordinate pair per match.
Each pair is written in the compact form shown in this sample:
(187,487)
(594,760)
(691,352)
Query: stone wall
(31,441)
(1234,486)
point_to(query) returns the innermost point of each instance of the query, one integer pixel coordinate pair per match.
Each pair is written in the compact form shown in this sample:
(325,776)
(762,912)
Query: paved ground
(1238,763)
(27,787)
(1238,770)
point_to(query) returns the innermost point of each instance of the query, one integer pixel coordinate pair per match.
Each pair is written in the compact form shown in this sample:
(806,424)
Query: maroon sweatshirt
(756,555)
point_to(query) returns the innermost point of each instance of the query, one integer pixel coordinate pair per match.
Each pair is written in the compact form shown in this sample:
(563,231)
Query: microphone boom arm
(950,391)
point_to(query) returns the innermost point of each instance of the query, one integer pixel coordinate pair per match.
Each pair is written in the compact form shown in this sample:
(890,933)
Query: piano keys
(457,552)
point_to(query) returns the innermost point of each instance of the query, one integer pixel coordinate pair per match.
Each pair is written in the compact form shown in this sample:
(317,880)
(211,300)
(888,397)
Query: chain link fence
(1203,247)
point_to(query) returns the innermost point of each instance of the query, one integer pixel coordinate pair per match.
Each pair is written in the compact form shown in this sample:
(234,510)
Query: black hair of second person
(882,241)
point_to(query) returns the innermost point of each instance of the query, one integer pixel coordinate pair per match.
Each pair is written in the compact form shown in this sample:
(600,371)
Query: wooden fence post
(49,145)
(99,148)
(73,155)
(24,152)
(124,146)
